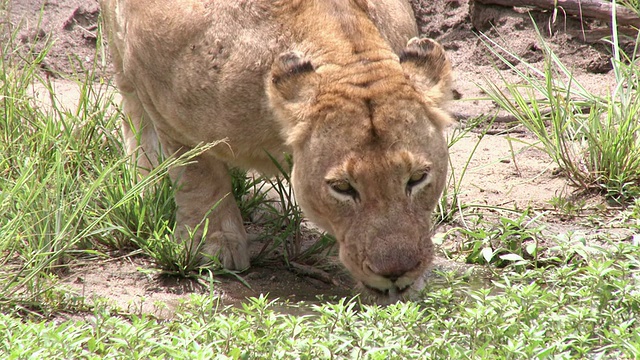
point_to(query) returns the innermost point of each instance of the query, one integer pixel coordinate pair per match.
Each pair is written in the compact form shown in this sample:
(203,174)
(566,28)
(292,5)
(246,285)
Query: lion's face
(374,189)
(370,157)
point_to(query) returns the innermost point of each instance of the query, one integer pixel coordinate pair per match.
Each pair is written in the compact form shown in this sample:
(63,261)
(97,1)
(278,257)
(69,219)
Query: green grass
(67,189)
(450,205)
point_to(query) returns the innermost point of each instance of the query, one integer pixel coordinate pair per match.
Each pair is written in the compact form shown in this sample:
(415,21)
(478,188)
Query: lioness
(342,85)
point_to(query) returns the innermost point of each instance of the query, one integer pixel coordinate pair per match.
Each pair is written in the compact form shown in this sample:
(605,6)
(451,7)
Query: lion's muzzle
(391,264)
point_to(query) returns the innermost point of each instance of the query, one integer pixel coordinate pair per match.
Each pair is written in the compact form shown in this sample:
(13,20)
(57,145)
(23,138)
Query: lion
(345,87)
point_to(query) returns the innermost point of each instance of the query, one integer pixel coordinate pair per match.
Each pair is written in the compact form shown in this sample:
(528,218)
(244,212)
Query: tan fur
(320,79)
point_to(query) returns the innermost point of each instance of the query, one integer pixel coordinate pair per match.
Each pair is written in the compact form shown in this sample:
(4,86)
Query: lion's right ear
(290,75)
(426,63)
(292,87)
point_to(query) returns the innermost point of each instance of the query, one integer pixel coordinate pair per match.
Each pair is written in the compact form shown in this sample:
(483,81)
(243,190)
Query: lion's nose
(394,268)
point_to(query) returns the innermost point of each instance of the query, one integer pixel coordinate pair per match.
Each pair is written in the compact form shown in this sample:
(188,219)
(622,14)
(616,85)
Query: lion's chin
(371,295)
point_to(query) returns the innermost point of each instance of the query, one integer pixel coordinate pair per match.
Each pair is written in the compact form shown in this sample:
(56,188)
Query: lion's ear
(290,75)
(426,63)
(292,87)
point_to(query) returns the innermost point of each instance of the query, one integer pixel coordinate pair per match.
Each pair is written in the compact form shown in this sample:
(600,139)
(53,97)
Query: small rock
(33,36)
(599,65)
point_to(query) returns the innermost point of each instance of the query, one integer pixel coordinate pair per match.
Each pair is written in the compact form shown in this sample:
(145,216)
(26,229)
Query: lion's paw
(231,250)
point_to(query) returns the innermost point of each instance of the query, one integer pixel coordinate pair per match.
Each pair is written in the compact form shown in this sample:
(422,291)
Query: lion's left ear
(426,63)
(292,87)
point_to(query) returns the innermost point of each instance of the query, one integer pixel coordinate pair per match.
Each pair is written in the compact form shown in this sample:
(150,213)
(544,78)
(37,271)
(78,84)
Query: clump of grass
(66,185)
(47,184)
(593,139)
(283,232)
(449,204)
(146,220)
(249,191)
(290,217)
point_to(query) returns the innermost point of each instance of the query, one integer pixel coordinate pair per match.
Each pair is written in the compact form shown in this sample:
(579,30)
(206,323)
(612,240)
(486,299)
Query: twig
(596,9)
(315,273)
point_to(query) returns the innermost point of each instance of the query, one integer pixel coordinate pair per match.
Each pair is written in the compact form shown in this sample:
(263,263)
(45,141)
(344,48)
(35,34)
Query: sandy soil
(495,177)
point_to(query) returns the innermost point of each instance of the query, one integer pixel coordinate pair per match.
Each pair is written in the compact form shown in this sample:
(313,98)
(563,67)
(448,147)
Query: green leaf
(487,253)
(511,257)
(531,249)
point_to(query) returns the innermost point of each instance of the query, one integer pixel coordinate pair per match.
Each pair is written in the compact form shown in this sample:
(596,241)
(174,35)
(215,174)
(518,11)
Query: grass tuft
(594,139)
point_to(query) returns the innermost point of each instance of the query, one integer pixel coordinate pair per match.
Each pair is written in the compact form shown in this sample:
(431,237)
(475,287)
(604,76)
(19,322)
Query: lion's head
(370,156)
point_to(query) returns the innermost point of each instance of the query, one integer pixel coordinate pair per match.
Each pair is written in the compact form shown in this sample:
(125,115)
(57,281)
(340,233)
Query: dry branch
(315,273)
(595,35)
(582,8)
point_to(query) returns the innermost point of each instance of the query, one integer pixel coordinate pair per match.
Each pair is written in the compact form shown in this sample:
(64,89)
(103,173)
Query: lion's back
(191,45)
(220,41)
(198,67)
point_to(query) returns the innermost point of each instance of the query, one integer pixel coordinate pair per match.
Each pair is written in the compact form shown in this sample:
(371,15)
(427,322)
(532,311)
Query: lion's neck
(337,32)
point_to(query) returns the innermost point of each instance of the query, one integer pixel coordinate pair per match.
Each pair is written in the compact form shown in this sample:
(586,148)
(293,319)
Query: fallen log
(597,35)
(595,9)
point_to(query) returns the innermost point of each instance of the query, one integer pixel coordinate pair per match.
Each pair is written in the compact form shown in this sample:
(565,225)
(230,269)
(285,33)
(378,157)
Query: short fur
(342,85)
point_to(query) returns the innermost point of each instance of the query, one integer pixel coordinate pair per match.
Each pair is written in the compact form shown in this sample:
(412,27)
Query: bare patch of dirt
(131,284)
(71,24)
(457,25)
(495,177)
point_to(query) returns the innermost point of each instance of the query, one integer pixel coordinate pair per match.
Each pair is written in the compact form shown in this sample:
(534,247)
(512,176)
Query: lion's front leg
(204,192)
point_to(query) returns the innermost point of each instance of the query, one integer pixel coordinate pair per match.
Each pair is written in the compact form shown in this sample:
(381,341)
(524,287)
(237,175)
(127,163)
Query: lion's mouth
(392,294)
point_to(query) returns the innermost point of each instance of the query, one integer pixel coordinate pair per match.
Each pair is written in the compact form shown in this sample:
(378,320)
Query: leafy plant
(567,205)
(510,241)
(585,309)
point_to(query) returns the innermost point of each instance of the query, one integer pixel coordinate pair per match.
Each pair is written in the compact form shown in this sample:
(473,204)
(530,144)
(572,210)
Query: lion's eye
(415,179)
(344,188)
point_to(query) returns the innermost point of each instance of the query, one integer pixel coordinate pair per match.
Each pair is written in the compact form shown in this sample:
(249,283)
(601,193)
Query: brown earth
(495,177)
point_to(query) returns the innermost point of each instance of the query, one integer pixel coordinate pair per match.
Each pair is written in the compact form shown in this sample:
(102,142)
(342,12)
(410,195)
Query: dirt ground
(494,178)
